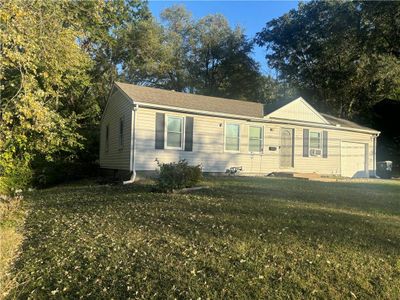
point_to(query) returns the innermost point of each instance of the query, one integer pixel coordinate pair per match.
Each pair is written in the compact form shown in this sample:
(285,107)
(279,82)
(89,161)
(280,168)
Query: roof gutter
(193,111)
(254,119)
(316,125)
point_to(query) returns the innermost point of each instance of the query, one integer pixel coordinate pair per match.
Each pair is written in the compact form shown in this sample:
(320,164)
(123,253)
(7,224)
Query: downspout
(133,146)
(375,144)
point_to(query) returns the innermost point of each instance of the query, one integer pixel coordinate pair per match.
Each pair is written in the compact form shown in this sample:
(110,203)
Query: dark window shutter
(325,144)
(306,143)
(189,134)
(160,125)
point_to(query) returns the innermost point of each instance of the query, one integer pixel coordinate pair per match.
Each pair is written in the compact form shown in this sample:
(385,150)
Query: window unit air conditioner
(315,152)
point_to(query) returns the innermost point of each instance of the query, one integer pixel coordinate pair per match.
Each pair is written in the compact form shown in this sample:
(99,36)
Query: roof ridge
(190,94)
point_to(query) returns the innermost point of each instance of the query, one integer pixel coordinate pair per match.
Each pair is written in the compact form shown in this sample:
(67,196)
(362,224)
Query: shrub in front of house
(50,173)
(177,175)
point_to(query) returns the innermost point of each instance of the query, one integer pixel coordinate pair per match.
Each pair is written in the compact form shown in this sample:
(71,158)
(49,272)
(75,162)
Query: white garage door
(353,160)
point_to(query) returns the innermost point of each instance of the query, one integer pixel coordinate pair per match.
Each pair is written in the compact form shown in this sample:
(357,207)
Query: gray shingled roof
(191,101)
(157,96)
(344,123)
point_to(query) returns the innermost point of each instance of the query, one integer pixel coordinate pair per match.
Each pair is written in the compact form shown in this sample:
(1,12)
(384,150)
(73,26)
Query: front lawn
(243,238)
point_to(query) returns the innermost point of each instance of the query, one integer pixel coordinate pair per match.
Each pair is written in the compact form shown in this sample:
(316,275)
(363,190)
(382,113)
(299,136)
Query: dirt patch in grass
(252,238)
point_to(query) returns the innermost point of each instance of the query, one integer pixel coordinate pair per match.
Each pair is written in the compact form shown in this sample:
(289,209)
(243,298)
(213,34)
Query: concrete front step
(306,175)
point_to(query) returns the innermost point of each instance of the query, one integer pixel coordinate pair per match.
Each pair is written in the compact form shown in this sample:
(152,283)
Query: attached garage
(354,159)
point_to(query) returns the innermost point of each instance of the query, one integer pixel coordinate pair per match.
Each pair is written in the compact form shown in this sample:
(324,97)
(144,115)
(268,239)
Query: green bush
(55,172)
(18,178)
(178,175)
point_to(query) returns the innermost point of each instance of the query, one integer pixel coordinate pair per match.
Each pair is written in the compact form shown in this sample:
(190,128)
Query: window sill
(232,151)
(172,148)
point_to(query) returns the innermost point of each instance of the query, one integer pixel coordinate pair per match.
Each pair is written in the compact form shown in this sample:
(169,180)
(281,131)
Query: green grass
(242,238)
(12,216)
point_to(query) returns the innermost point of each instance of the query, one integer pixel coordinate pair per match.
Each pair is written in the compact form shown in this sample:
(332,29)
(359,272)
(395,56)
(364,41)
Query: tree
(44,70)
(144,54)
(178,30)
(341,55)
(222,57)
(57,58)
(205,56)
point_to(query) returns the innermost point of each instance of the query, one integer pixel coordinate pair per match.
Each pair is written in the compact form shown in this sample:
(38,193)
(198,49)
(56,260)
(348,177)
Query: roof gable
(297,110)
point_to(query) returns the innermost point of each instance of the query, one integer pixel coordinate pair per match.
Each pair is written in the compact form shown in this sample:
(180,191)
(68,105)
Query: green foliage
(203,56)
(177,175)
(244,238)
(16,178)
(43,70)
(60,58)
(48,174)
(342,55)
(57,66)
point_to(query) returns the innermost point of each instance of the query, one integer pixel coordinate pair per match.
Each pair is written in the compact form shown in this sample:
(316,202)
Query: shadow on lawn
(317,217)
(258,212)
(366,197)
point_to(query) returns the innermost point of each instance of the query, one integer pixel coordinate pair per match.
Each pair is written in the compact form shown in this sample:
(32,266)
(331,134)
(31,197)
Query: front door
(286,149)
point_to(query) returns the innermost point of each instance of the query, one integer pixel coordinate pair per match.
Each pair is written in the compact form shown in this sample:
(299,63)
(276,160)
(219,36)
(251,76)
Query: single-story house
(143,125)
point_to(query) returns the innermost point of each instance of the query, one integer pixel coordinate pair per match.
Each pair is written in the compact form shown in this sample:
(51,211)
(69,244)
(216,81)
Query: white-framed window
(315,143)
(232,137)
(174,132)
(107,145)
(256,139)
(121,132)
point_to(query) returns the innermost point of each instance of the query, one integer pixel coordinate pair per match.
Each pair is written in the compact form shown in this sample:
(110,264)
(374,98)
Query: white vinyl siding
(209,146)
(298,110)
(256,139)
(112,155)
(174,132)
(232,137)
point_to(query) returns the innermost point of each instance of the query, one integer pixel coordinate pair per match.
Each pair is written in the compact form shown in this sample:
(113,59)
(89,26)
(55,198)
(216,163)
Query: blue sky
(250,15)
